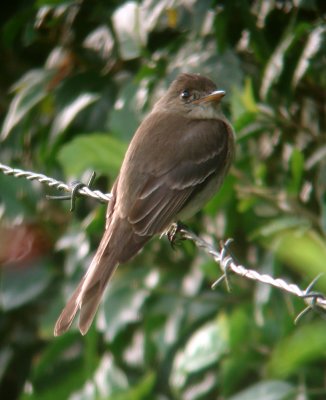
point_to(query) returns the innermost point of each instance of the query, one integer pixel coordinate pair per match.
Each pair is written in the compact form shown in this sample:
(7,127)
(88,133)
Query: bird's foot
(174,233)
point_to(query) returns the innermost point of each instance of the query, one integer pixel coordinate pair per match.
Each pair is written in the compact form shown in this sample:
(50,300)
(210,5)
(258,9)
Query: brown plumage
(175,162)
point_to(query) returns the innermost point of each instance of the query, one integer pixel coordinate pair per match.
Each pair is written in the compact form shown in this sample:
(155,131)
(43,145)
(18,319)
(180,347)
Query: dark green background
(76,79)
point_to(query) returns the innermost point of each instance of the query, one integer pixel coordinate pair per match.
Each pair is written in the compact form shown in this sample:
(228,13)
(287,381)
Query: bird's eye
(185,94)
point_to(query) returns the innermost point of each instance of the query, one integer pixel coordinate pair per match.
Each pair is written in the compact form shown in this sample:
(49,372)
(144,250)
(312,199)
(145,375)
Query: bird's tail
(118,245)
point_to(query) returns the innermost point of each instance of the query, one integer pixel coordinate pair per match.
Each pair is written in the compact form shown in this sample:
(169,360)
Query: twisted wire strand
(32,176)
(226,263)
(313,300)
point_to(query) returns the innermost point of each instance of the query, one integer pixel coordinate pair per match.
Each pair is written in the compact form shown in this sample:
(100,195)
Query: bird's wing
(202,155)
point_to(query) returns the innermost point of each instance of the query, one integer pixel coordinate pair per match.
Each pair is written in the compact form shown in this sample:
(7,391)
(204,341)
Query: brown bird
(174,164)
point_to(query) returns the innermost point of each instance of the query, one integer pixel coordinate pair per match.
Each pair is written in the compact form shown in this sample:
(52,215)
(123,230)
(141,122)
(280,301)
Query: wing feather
(165,191)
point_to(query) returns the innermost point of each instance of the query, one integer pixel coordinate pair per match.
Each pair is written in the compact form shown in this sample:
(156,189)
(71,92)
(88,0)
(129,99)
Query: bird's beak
(214,96)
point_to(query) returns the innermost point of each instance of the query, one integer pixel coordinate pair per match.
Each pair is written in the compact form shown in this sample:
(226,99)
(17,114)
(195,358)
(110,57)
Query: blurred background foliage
(76,79)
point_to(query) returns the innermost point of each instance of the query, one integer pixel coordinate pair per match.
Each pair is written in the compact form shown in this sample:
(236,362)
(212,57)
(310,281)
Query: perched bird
(174,164)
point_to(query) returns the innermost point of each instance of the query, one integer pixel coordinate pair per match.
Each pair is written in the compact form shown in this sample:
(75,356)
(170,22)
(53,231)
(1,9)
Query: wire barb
(225,262)
(311,298)
(76,187)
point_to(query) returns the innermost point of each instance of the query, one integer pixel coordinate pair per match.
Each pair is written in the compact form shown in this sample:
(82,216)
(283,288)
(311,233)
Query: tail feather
(89,306)
(86,297)
(88,309)
(68,313)
(118,244)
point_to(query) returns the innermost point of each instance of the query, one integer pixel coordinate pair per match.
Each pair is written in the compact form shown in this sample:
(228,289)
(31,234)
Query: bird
(176,161)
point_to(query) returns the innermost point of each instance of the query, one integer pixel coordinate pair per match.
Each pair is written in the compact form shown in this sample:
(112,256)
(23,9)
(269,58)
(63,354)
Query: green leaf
(313,45)
(108,381)
(101,42)
(69,112)
(243,101)
(297,168)
(6,355)
(277,61)
(109,378)
(306,251)
(52,355)
(142,390)
(31,90)
(222,198)
(59,380)
(122,306)
(295,243)
(321,184)
(247,126)
(275,64)
(239,329)
(124,301)
(235,369)
(124,117)
(267,390)
(41,3)
(205,347)
(21,285)
(18,196)
(97,152)
(323,212)
(305,345)
(129,30)
(278,225)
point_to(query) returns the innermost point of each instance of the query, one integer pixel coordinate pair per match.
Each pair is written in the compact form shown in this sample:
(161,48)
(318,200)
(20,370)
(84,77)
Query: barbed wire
(314,300)
(76,188)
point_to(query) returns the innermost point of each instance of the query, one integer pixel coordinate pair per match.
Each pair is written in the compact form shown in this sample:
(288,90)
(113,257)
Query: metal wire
(314,300)
(84,190)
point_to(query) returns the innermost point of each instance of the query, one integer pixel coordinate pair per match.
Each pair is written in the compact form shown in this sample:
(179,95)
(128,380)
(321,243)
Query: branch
(314,300)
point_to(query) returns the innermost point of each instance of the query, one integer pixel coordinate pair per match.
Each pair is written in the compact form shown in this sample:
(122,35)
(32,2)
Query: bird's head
(194,96)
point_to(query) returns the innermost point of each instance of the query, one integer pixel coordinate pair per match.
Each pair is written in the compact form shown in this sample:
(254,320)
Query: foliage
(76,79)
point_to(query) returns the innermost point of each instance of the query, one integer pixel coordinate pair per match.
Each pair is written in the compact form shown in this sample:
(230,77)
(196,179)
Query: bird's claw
(174,233)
